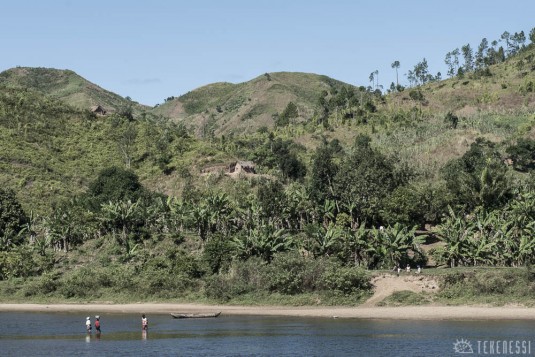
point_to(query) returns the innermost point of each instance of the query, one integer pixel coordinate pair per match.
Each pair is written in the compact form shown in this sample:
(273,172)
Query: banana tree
(398,240)
(179,212)
(264,241)
(526,246)
(454,232)
(120,217)
(360,246)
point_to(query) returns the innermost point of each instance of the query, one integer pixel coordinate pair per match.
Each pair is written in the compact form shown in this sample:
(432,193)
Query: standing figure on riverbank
(88,324)
(144,323)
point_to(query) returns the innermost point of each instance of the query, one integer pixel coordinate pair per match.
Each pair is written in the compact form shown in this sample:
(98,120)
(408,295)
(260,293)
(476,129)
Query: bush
(291,273)
(243,277)
(218,252)
(44,285)
(454,279)
(343,280)
(17,263)
(81,283)
(490,284)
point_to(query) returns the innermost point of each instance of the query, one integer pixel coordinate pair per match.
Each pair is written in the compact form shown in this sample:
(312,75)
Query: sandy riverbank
(407,312)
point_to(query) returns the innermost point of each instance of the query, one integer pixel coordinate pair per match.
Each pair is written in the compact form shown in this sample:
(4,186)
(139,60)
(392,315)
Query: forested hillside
(337,179)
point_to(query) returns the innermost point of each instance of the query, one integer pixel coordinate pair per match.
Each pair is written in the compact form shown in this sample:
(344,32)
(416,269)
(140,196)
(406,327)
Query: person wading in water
(144,323)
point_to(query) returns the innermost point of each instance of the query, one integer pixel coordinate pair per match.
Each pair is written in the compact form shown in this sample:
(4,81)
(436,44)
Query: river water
(63,334)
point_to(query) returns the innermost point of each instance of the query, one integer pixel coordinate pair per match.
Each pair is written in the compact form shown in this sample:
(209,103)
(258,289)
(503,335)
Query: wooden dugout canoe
(195,316)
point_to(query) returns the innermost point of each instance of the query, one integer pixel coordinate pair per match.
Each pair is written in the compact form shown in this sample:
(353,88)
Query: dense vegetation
(115,206)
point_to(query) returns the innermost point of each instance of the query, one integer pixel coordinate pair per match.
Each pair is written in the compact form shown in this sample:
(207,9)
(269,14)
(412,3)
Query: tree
(517,42)
(449,62)
(12,219)
(468,58)
(272,200)
(420,73)
(290,112)
(395,65)
(532,35)
(126,143)
(453,232)
(478,178)
(523,154)
(114,184)
(365,178)
(506,37)
(324,170)
(481,53)
(397,240)
(121,217)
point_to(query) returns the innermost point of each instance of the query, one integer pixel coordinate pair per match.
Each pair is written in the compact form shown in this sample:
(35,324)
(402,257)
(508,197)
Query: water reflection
(143,334)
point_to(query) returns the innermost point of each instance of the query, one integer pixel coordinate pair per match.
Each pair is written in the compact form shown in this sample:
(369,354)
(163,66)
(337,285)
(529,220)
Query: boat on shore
(195,316)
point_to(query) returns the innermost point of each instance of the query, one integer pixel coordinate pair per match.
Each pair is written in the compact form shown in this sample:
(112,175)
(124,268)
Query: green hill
(332,163)
(66,86)
(224,108)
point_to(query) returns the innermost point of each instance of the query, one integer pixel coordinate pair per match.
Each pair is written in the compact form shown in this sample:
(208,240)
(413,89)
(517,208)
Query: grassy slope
(498,108)
(65,85)
(248,106)
(60,161)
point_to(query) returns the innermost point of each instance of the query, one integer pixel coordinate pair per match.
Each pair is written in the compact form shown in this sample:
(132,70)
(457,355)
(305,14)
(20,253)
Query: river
(63,334)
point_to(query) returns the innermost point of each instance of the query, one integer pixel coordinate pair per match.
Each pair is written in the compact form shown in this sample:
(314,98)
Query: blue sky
(150,50)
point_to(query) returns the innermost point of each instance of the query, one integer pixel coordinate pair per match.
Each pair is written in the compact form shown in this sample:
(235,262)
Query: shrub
(243,277)
(17,263)
(291,273)
(490,284)
(217,253)
(81,283)
(44,285)
(343,280)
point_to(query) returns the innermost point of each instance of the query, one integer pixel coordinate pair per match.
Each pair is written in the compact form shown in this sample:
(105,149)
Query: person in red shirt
(97,323)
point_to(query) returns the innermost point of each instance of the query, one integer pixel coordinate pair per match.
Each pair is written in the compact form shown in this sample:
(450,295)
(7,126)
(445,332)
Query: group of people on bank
(397,269)
(89,327)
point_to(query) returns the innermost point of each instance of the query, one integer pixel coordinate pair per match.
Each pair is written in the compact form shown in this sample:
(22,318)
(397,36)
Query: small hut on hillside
(97,109)
(242,166)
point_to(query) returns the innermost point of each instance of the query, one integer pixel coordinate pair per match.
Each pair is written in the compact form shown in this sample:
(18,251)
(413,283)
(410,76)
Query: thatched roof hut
(242,166)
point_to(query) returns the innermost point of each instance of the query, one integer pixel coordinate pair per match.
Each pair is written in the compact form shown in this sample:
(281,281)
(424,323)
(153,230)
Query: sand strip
(406,312)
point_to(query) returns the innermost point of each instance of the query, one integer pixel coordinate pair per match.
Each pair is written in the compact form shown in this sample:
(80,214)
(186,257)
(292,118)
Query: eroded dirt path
(386,284)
